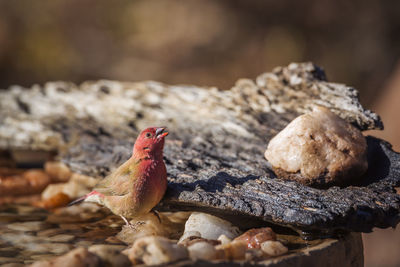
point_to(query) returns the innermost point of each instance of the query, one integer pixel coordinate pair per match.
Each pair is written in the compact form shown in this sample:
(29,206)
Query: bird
(139,184)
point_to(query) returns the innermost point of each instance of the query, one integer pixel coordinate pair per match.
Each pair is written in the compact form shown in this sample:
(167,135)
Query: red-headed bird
(137,185)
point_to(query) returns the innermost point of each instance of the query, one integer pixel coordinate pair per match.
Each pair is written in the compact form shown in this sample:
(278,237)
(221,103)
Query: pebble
(14,264)
(58,171)
(42,257)
(210,227)
(28,226)
(50,232)
(111,255)
(254,237)
(43,248)
(273,248)
(153,250)
(204,251)
(61,238)
(9,252)
(4,260)
(79,257)
(83,243)
(19,238)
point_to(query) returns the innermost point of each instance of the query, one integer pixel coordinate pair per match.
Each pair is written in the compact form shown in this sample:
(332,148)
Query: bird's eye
(148,135)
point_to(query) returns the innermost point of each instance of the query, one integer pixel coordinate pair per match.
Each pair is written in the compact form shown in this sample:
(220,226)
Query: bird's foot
(157,215)
(127,223)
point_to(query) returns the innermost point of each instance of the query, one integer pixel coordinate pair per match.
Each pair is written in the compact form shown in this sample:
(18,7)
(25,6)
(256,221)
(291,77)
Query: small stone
(273,248)
(38,180)
(28,226)
(79,257)
(50,232)
(87,181)
(189,234)
(254,237)
(318,148)
(84,243)
(113,240)
(29,182)
(224,239)
(111,255)
(14,264)
(4,260)
(72,189)
(58,200)
(98,234)
(204,251)
(153,250)
(58,171)
(209,226)
(254,255)
(45,248)
(13,185)
(19,239)
(234,250)
(42,257)
(77,186)
(61,238)
(196,239)
(76,214)
(8,252)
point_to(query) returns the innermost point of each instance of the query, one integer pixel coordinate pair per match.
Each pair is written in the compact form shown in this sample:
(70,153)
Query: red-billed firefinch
(137,185)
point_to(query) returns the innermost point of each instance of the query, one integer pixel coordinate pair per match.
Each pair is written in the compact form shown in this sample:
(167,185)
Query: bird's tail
(93,196)
(77,201)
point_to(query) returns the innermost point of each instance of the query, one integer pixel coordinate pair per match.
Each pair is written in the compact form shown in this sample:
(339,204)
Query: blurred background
(212,43)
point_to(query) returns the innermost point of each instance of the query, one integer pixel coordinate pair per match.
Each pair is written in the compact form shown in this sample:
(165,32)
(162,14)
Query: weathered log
(214,153)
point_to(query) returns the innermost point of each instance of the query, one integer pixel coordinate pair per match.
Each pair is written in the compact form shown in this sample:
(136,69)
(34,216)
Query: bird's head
(150,142)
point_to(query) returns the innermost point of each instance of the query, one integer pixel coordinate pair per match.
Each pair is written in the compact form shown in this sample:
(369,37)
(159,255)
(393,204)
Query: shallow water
(28,234)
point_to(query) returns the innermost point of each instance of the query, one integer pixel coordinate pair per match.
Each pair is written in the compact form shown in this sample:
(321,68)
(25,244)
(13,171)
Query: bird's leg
(126,222)
(156,214)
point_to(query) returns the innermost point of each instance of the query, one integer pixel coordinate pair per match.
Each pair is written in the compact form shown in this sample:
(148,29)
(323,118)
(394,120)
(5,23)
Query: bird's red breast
(140,183)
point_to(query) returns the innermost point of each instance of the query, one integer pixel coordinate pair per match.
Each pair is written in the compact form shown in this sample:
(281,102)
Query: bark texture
(214,153)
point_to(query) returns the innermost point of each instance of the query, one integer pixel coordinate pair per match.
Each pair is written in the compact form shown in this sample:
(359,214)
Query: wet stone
(111,254)
(71,227)
(8,252)
(50,232)
(61,238)
(114,240)
(18,238)
(83,243)
(4,260)
(52,248)
(13,265)
(42,257)
(28,226)
(11,217)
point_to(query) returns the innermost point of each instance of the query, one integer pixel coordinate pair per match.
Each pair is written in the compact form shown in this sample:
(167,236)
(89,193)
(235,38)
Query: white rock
(77,186)
(202,251)
(210,227)
(318,148)
(235,250)
(273,248)
(188,234)
(153,250)
(224,239)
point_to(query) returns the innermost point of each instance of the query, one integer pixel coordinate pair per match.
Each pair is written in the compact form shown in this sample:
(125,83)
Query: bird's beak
(161,132)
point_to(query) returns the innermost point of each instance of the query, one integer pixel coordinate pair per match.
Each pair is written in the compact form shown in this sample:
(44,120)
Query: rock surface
(214,154)
(319,148)
(154,250)
(210,227)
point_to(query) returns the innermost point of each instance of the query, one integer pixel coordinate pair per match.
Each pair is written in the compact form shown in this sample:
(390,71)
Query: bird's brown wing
(119,182)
